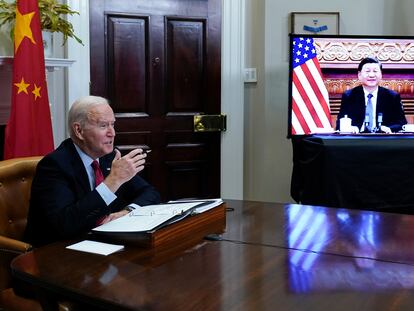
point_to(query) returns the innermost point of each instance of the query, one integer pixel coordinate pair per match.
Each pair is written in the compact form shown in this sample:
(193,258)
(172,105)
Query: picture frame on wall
(315,23)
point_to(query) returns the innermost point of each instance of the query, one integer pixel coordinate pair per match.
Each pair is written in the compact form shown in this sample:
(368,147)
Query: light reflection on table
(310,231)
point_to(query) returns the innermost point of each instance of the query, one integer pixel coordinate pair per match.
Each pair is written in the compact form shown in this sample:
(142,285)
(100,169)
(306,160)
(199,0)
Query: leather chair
(16,177)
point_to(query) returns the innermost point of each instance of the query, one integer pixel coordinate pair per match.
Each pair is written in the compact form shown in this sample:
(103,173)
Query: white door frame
(232,98)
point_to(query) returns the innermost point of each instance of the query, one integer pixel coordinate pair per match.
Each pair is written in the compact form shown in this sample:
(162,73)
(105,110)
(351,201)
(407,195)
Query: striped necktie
(98,179)
(369,111)
(98,173)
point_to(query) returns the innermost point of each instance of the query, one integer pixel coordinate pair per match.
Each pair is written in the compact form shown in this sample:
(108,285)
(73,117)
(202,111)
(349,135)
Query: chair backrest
(16,177)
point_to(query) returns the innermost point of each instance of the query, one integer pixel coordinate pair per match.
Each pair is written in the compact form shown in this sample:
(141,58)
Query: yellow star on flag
(22,29)
(22,86)
(36,91)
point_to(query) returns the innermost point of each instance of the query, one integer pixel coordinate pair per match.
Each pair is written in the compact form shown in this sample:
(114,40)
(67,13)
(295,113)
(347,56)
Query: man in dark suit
(68,197)
(384,101)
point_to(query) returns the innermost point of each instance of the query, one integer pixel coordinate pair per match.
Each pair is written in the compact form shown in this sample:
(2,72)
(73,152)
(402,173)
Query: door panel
(186,56)
(127,36)
(158,62)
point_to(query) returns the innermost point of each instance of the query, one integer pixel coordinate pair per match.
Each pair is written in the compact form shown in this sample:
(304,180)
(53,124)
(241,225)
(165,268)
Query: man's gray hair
(79,110)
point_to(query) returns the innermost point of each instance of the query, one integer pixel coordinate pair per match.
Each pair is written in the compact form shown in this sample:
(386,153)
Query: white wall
(268,153)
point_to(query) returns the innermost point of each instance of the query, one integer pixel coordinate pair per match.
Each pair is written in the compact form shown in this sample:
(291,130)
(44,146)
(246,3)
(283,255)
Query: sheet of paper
(95,247)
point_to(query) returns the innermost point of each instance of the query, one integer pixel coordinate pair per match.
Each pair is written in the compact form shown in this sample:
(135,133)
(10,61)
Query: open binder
(149,226)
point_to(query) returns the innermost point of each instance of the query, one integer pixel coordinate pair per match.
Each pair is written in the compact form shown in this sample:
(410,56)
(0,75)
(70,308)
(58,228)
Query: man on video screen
(368,103)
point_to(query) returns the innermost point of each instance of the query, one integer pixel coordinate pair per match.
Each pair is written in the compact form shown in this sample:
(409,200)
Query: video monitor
(323,67)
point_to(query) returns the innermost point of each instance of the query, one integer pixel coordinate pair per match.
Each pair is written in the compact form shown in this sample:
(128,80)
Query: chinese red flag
(29,129)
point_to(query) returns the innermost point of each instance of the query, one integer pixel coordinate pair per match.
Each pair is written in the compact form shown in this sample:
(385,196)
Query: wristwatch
(128,208)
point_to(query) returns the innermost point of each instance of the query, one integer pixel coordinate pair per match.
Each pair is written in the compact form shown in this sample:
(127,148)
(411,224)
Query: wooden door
(158,62)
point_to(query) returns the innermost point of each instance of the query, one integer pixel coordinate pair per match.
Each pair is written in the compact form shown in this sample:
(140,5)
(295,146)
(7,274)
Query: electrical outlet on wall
(250,75)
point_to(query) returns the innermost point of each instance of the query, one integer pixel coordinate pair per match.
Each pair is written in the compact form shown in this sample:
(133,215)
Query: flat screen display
(323,67)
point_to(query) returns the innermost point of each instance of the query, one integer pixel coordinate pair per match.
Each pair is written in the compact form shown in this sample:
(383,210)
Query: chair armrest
(12,245)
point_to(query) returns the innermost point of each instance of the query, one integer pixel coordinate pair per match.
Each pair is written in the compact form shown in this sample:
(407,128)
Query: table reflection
(345,273)
(354,243)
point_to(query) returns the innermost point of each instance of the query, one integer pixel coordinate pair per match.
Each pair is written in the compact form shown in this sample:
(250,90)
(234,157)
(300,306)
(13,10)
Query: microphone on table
(378,129)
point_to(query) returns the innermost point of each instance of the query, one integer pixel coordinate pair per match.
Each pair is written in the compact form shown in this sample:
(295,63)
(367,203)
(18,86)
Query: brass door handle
(210,123)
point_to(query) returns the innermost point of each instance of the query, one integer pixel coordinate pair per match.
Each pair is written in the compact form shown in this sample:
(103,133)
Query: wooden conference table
(272,256)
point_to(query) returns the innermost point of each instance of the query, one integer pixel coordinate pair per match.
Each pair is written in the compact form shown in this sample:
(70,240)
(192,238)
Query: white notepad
(95,247)
(146,218)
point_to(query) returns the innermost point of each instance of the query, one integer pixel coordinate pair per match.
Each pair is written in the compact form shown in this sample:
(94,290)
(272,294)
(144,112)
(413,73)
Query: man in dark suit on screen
(71,192)
(370,99)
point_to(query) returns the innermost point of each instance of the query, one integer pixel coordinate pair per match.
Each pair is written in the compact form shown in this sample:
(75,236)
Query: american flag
(310,99)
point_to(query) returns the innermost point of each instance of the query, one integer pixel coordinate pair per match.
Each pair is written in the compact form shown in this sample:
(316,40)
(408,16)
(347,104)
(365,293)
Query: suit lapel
(106,169)
(361,101)
(106,163)
(380,103)
(81,175)
(78,168)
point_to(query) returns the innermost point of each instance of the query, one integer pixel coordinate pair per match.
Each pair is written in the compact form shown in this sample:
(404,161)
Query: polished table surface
(370,171)
(285,256)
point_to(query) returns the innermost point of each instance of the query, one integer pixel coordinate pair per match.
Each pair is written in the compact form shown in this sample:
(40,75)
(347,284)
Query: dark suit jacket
(388,103)
(62,204)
